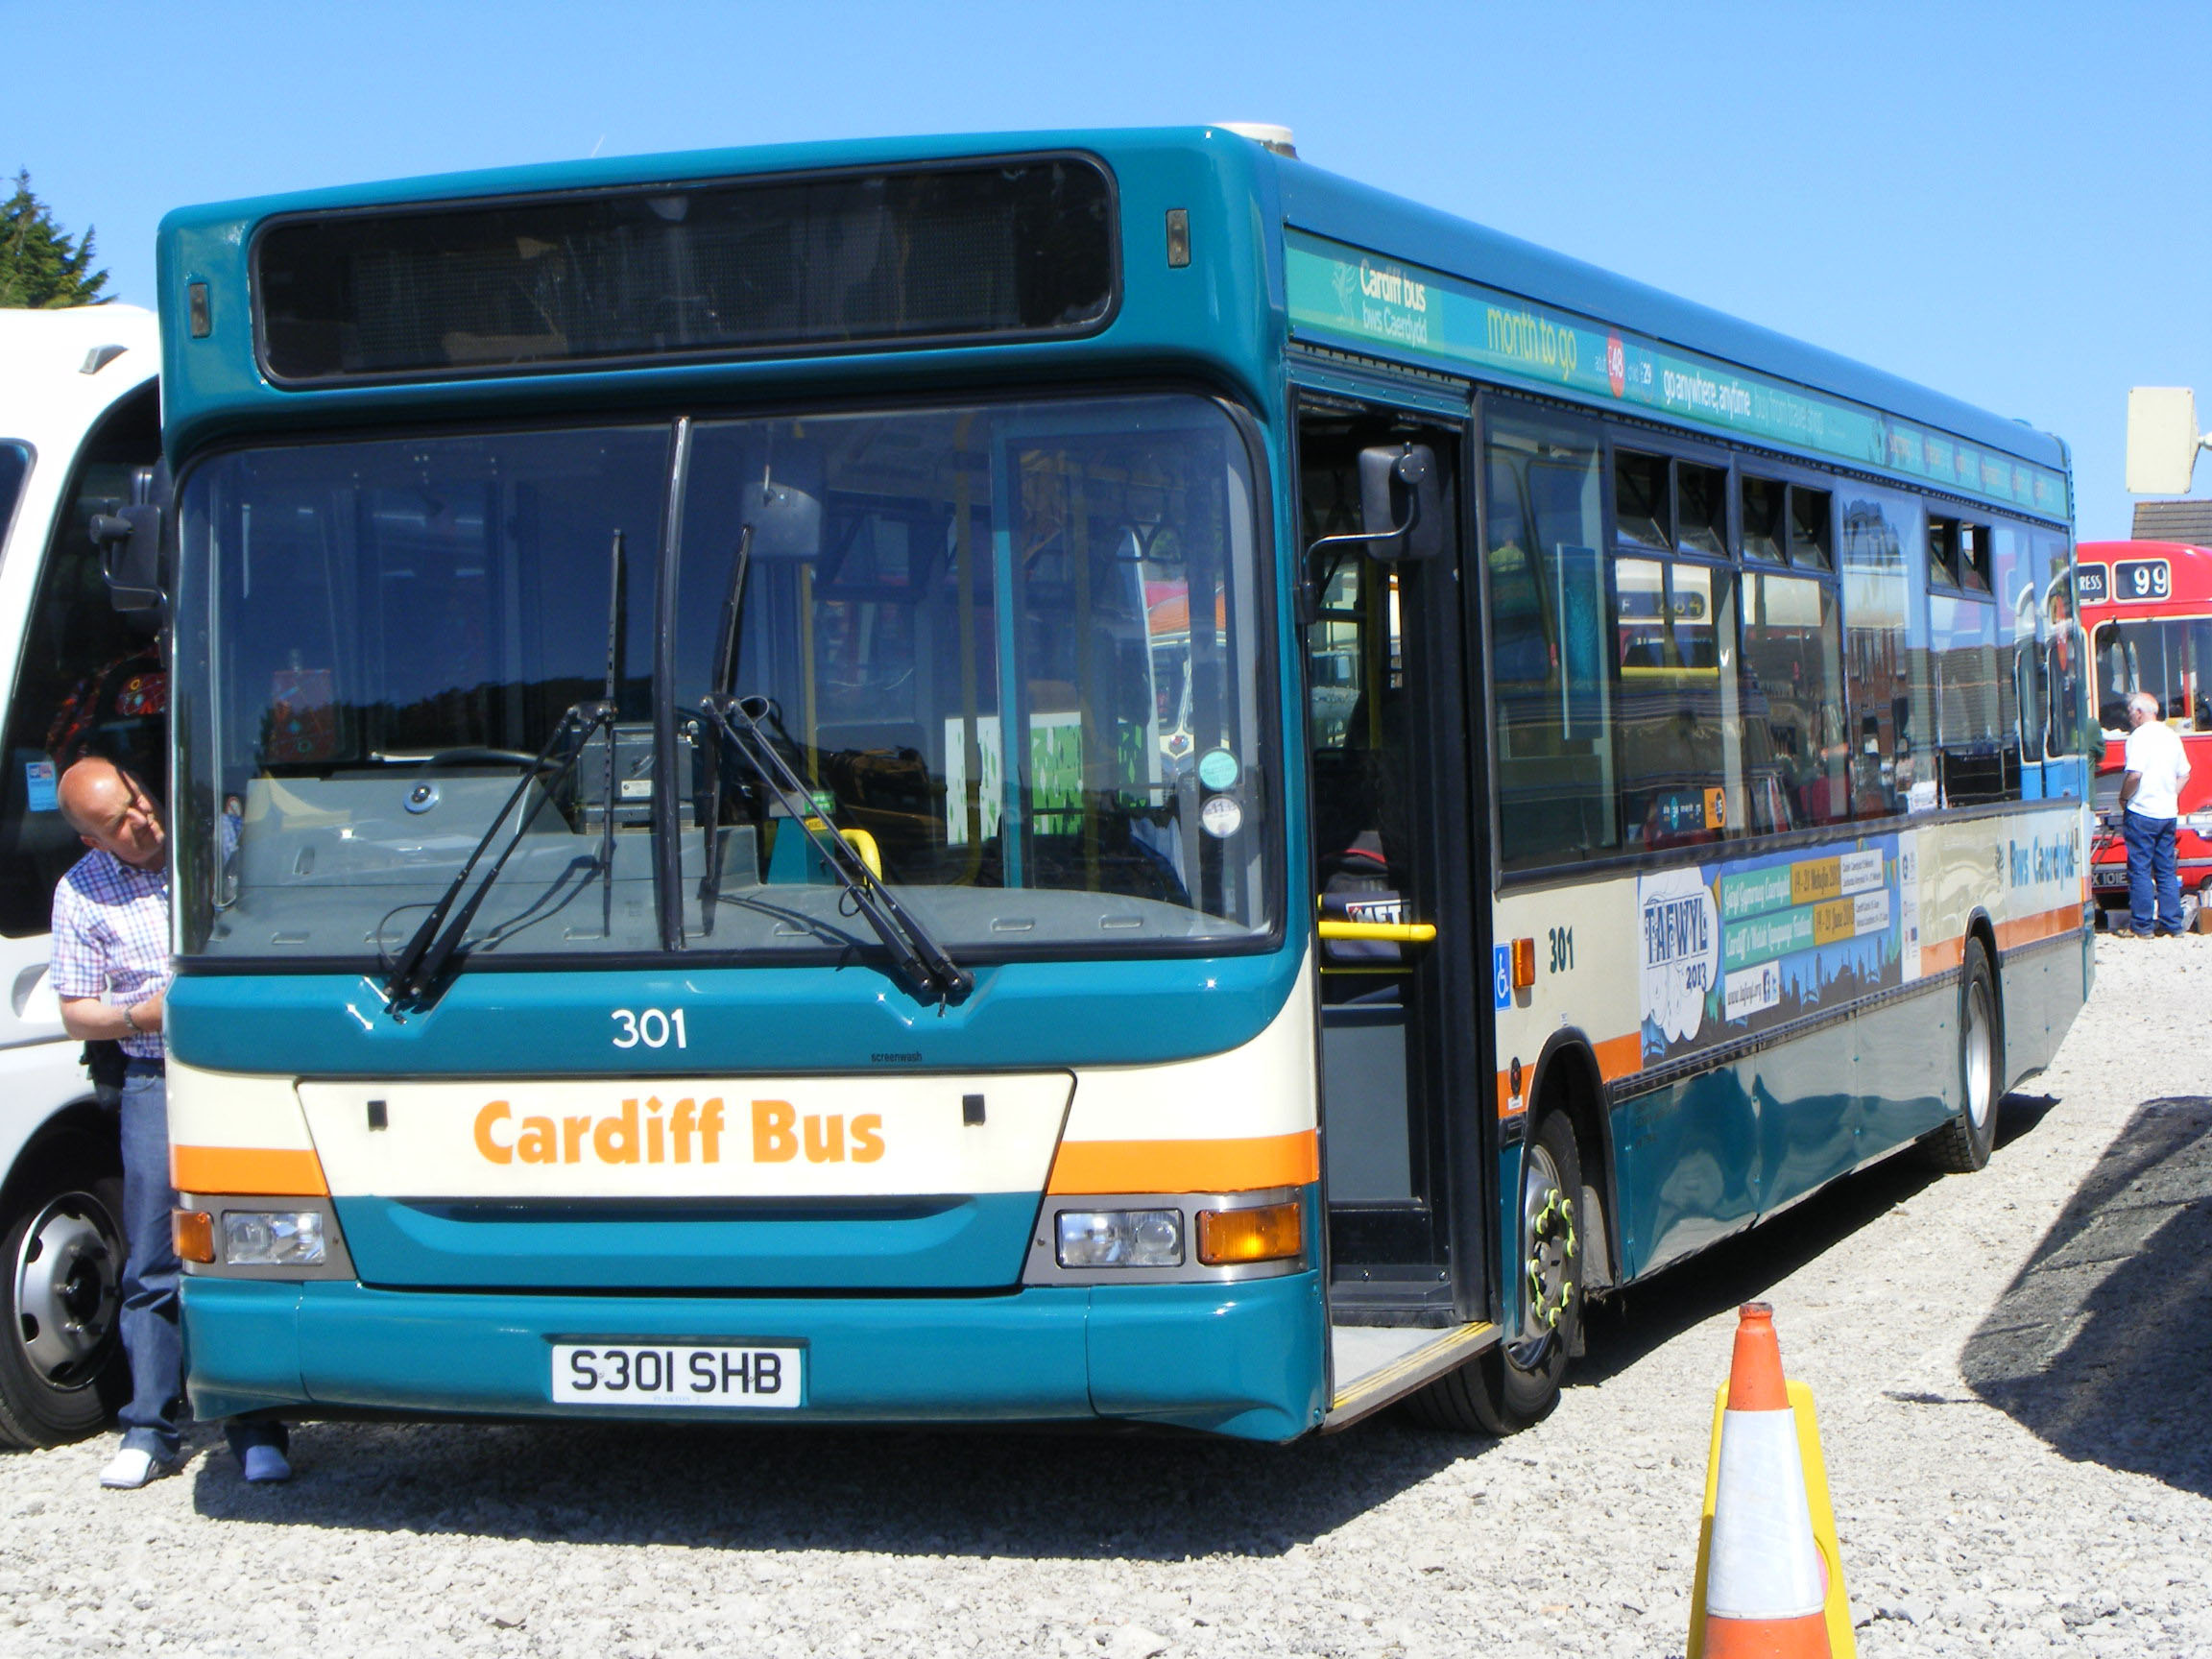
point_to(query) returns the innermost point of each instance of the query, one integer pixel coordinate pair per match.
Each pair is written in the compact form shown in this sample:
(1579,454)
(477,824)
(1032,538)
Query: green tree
(41,266)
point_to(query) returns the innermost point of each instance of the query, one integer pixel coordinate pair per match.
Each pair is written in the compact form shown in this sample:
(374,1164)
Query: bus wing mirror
(785,521)
(1401,503)
(2162,439)
(130,542)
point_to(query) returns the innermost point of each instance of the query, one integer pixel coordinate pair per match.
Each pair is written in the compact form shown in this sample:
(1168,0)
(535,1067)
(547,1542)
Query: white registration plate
(678,1374)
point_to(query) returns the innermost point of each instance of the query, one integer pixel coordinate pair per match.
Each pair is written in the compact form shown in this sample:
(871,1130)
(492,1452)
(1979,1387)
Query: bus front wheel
(61,1295)
(1516,1383)
(1963,1146)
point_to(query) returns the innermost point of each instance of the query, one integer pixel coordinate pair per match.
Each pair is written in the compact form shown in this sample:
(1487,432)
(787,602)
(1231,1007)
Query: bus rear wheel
(61,1297)
(1516,1383)
(1963,1146)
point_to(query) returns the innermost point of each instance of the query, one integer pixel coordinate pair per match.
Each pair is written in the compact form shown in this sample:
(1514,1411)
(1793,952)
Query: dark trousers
(153,1340)
(2152,883)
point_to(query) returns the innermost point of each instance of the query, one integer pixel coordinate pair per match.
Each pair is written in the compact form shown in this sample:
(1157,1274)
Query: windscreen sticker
(38,787)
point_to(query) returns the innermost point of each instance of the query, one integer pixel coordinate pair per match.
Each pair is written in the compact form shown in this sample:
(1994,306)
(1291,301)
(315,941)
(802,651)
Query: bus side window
(2066,673)
(90,679)
(1681,730)
(2013,584)
(1549,684)
(1886,640)
(1794,684)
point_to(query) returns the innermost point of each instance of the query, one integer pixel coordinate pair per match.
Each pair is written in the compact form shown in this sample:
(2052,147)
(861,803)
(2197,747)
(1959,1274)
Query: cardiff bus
(685,905)
(80,437)
(2146,607)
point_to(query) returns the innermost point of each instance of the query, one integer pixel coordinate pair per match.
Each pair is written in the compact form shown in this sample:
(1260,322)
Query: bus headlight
(272,1237)
(1120,1239)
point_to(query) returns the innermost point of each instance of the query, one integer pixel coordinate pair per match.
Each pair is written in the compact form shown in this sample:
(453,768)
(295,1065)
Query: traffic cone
(1768,1584)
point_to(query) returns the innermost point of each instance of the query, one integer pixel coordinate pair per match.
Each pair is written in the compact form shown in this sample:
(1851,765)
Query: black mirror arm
(1309,603)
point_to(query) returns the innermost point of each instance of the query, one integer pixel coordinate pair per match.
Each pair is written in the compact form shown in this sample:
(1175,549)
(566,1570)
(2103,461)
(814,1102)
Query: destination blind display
(1344,291)
(1022,247)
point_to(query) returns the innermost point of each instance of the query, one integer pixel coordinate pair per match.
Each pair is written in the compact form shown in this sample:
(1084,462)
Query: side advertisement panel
(1735,948)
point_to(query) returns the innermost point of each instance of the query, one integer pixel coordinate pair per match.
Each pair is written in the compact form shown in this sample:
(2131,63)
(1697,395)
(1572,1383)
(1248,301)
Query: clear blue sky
(2002,201)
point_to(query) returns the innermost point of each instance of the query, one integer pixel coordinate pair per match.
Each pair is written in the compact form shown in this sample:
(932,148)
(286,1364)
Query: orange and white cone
(1765,1587)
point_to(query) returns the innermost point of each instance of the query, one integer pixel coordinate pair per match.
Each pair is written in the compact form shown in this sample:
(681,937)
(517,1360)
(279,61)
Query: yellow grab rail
(1383,932)
(861,842)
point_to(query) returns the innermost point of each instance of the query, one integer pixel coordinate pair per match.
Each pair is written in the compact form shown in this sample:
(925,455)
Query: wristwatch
(131,1021)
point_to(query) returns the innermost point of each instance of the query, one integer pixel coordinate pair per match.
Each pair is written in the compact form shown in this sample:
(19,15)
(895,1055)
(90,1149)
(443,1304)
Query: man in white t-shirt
(2150,799)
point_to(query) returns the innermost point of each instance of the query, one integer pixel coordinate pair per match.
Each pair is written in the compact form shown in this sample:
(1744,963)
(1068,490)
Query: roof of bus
(2108,550)
(56,375)
(1409,230)
(1289,192)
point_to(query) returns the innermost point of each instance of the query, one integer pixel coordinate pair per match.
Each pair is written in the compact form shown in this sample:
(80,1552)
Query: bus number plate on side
(676,1374)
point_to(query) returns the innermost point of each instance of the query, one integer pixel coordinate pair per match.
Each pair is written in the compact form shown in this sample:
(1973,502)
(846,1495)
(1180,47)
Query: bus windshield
(2169,657)
(951,622)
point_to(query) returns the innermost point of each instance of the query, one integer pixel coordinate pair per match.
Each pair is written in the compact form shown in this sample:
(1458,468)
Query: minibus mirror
(785,520)
(1400,506)
(130,541)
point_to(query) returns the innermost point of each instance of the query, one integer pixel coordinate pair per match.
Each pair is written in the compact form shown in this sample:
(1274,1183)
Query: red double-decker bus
(2148,609)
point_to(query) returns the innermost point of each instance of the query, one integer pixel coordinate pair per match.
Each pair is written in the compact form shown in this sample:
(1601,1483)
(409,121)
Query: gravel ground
(2013,1372)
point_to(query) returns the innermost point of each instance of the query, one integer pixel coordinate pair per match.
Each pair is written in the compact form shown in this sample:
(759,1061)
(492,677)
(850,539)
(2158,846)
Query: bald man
(111,970)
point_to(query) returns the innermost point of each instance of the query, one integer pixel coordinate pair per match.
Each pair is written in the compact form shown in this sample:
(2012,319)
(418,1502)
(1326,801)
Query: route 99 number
(650,1027)
(2143,579)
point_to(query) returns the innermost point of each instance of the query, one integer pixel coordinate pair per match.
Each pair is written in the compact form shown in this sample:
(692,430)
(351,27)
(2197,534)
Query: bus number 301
(649,1026)
(1562,949)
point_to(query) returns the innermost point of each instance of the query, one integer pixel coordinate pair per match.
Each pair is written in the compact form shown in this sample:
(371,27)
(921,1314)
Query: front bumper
(1244,1360)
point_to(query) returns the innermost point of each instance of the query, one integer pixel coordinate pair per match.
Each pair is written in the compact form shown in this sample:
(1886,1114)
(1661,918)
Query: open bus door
(1401,918)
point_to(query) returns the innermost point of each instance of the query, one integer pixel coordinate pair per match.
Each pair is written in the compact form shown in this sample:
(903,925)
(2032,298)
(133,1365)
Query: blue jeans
(152,1338)
(2150,878)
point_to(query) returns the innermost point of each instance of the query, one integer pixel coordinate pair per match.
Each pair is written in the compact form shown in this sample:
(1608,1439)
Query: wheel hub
(1980,1063)
(1549,1245)
(68,1289)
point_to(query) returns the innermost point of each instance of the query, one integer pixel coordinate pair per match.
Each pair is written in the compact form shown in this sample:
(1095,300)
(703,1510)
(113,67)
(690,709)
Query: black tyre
(61,1250)
(1963,1146)
(1515,1383)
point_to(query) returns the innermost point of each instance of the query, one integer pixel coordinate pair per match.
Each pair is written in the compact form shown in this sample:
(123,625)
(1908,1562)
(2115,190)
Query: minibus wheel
(1516,1383)
(1963,1146)
(60,1296)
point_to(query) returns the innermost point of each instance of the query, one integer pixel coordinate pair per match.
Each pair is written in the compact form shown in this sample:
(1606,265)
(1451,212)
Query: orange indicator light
(1265,1233)
(193,1231)
(1523,964)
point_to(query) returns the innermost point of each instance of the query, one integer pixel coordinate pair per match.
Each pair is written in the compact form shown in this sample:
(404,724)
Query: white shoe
(130,1469)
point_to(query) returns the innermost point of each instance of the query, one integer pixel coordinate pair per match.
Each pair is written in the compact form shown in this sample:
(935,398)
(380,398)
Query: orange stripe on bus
(1617,1057)
(1621,1056)
(2048,925)
(1239,1166)
(225,1170)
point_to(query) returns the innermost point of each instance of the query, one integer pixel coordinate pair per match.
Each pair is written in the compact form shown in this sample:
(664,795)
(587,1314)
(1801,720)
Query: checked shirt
(111,938)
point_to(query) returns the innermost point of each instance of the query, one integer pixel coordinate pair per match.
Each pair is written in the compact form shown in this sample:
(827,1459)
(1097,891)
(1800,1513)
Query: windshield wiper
(922,962)
(418,966)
